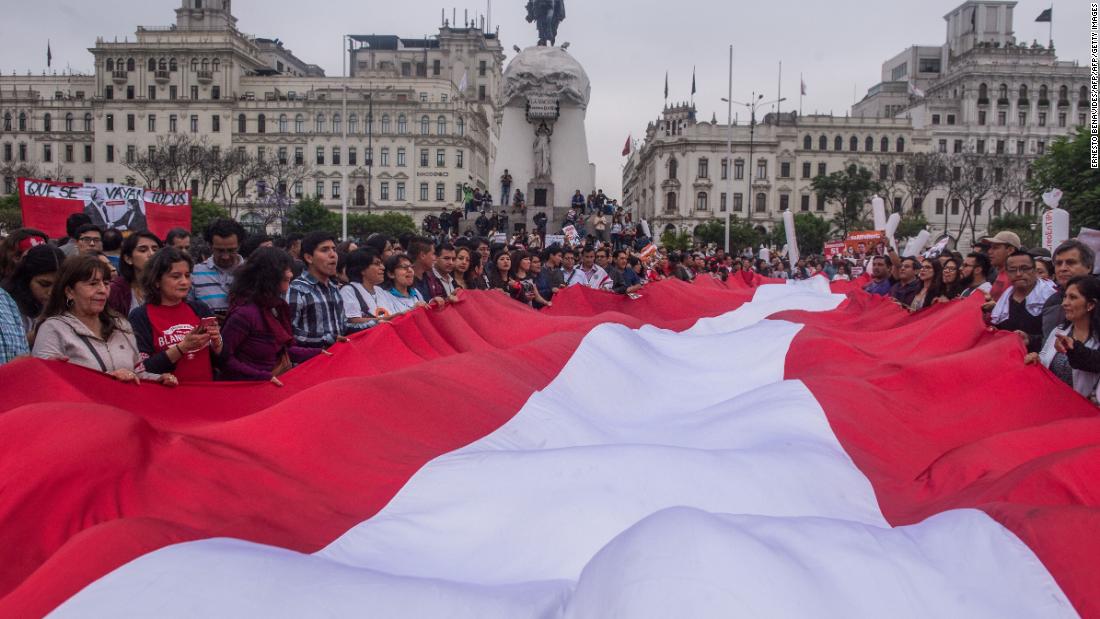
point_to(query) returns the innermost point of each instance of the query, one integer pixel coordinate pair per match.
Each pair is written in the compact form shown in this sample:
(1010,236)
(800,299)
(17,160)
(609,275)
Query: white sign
(542,107)
(552,239)
(1055,228)
(571,233)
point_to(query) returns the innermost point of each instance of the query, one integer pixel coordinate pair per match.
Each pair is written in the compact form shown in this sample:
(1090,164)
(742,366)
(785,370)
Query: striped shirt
(210,284)
(13,340)
(316,311)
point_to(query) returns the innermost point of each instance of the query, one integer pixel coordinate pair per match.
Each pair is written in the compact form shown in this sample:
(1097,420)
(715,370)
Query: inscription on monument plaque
(543,107)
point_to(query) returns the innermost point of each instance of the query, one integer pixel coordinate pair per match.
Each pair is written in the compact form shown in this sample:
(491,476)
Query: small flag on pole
(1045,16)
(803,88)
(914,91)
(627,147)
(49,54)
(465,82)
(666,85)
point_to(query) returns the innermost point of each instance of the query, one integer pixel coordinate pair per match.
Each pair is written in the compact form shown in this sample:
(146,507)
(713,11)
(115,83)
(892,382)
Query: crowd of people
(229,306)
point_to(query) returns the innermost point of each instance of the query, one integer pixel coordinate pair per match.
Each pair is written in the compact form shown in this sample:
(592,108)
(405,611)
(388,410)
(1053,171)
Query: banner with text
(46,205)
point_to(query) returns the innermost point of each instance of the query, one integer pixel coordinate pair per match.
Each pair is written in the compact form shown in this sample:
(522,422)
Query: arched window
(701,201)
(425,125)
(7,121)
(299,124)
(194,64)
(360,196)
(807,143)
(761,203)
(402,124)
(22,121)
(172,65)
(1083,96)
(1023,92)
(901,145)
(130,65)
(838,143)
(261,124)
(110,64)
(869,144)
(670,201)
(461,123)
(353,124)
(884,144)
(88,122)
(216,64)
(242,124)
(337,123)
(441,125)
(1044,93)
(853,144)
(319,124)
(1063,93)
(983,92)
(385,123)
(1002,92)
(822,143)
(205,64)
(282,123)
(47,122)
(152,64)
(69,122)
(673,168)
(163,64)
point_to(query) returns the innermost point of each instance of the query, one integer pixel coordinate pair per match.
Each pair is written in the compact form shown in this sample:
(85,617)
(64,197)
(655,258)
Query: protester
(444,268)
(77,326)
(127,292)
(930,276)
(1079,332)
(175,334)
(1001,246)
(89,238)
(594,275)
(520,284)
(73,223)
(32,282)
(316,307)
(404,296)
(551,277)
(178,238)
(624,280)
(13,337)
(365,301)
(1020,308)
(112,247)
(1071,259)
(12,248)
(975,275)
(908,285)
(462,267)
(952,282)
(214,277)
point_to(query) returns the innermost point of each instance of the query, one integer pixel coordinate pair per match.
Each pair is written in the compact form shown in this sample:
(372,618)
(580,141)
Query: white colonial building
(985,104)
(397,135)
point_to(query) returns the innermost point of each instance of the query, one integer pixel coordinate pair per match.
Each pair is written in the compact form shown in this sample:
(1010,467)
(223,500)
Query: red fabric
(171,324)
(47,204)
(96,473)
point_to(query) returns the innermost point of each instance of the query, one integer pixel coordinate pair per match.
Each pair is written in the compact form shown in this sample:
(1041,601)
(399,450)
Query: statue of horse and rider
(547,14)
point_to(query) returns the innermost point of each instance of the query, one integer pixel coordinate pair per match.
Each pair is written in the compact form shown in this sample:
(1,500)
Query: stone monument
(545,100)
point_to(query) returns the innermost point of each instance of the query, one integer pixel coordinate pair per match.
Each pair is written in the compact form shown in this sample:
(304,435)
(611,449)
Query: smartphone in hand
(207,323)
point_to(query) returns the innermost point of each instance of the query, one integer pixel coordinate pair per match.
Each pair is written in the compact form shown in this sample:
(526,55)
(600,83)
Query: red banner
(46,205)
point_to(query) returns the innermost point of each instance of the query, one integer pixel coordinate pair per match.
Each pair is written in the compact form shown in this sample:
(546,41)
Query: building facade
(978,108)
(218,103)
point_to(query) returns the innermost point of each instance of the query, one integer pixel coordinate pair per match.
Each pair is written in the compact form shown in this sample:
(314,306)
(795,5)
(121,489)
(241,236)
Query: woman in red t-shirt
(175,334)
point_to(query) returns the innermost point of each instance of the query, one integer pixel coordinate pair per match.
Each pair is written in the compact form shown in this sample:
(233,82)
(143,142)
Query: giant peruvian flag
(702,451)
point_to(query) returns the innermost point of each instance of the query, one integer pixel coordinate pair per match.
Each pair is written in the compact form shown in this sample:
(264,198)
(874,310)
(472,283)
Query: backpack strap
(95,353)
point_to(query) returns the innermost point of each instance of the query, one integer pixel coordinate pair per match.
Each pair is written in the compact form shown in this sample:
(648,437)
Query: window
(943,146)
(402,125)
(673,167)
(869,144)
(440,158)
(785,169)
(401,159)
(481,92)
(899,172)
(784,201)
(261,153)
(283,155)
(998,174)
(320,155)
(337,124)
(853,144)
(983,94)
(1021,118)
(440,192)
(319,189)
(804,203)
(806,166)
(897,204)
(110,153)
(838,143)
(761,202)
(335,155)
(954,206)
(1042,119)
(353,156)
(110,121)
(108,92)
(820,206)
(461,125)
(299,155)
(400,191)
(761,169)
(1040,148)
(299,124)
(131,153)
(319,124)
(950,119)
(738,202)
(724,169)
(215,123)
(884,144)
(1002,118)
(423,157)
(981,117)
(822,169)
(22,152)
(1000,147)
(883,171)
(704,167)
(87,153)
(460,158)
(384,159)
(958,146)
(173,93)
(980,146)
(722,202)
(738,169)
(823,143)
(7,152)
(423,192)
(1020,147)
(901,145)
(131,122)
(194,93)
(335,190)
(935,119)
(242,123)
(701,201)
(1061,119)
(152,123)
(807,143)
(283,123)
(385,123)
(425,125)
(47,153)
(458,192)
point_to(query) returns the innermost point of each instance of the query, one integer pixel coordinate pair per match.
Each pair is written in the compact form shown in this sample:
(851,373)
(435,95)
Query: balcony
(983,100)
(1023,103)
(1063,103)
(205,77)
(1044,102)
(162,77)
(1002,102)
(120,77)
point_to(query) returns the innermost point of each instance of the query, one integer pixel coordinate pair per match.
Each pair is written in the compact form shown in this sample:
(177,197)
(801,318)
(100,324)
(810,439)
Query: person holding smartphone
(175,334)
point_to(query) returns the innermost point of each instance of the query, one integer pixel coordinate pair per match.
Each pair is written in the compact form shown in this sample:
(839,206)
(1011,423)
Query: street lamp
(752,105)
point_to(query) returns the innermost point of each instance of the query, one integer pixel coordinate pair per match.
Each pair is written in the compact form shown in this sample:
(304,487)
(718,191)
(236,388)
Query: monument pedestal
(546,94)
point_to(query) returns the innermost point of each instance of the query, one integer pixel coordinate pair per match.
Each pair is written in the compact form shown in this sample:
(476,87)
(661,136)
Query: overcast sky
(626,46)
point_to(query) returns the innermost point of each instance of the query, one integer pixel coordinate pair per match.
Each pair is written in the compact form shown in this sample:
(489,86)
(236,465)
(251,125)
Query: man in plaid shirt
(316,308)
(13,341)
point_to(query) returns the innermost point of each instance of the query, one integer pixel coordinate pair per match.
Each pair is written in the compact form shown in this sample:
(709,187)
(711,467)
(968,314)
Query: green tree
(741,233)
(911,224)
(1023,225)
(204,212)
(388,224)
(1066,166)
(676,241)
(310,215)
(851,188)
(812,232)
(11,215)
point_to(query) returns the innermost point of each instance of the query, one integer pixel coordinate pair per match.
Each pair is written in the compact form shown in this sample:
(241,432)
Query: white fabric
(1034,301)
(695,482)
(1084,383)
(353,310)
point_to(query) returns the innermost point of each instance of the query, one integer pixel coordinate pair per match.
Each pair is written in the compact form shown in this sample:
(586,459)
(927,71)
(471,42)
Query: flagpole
(1050,30)
(801,93)
(779,94)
